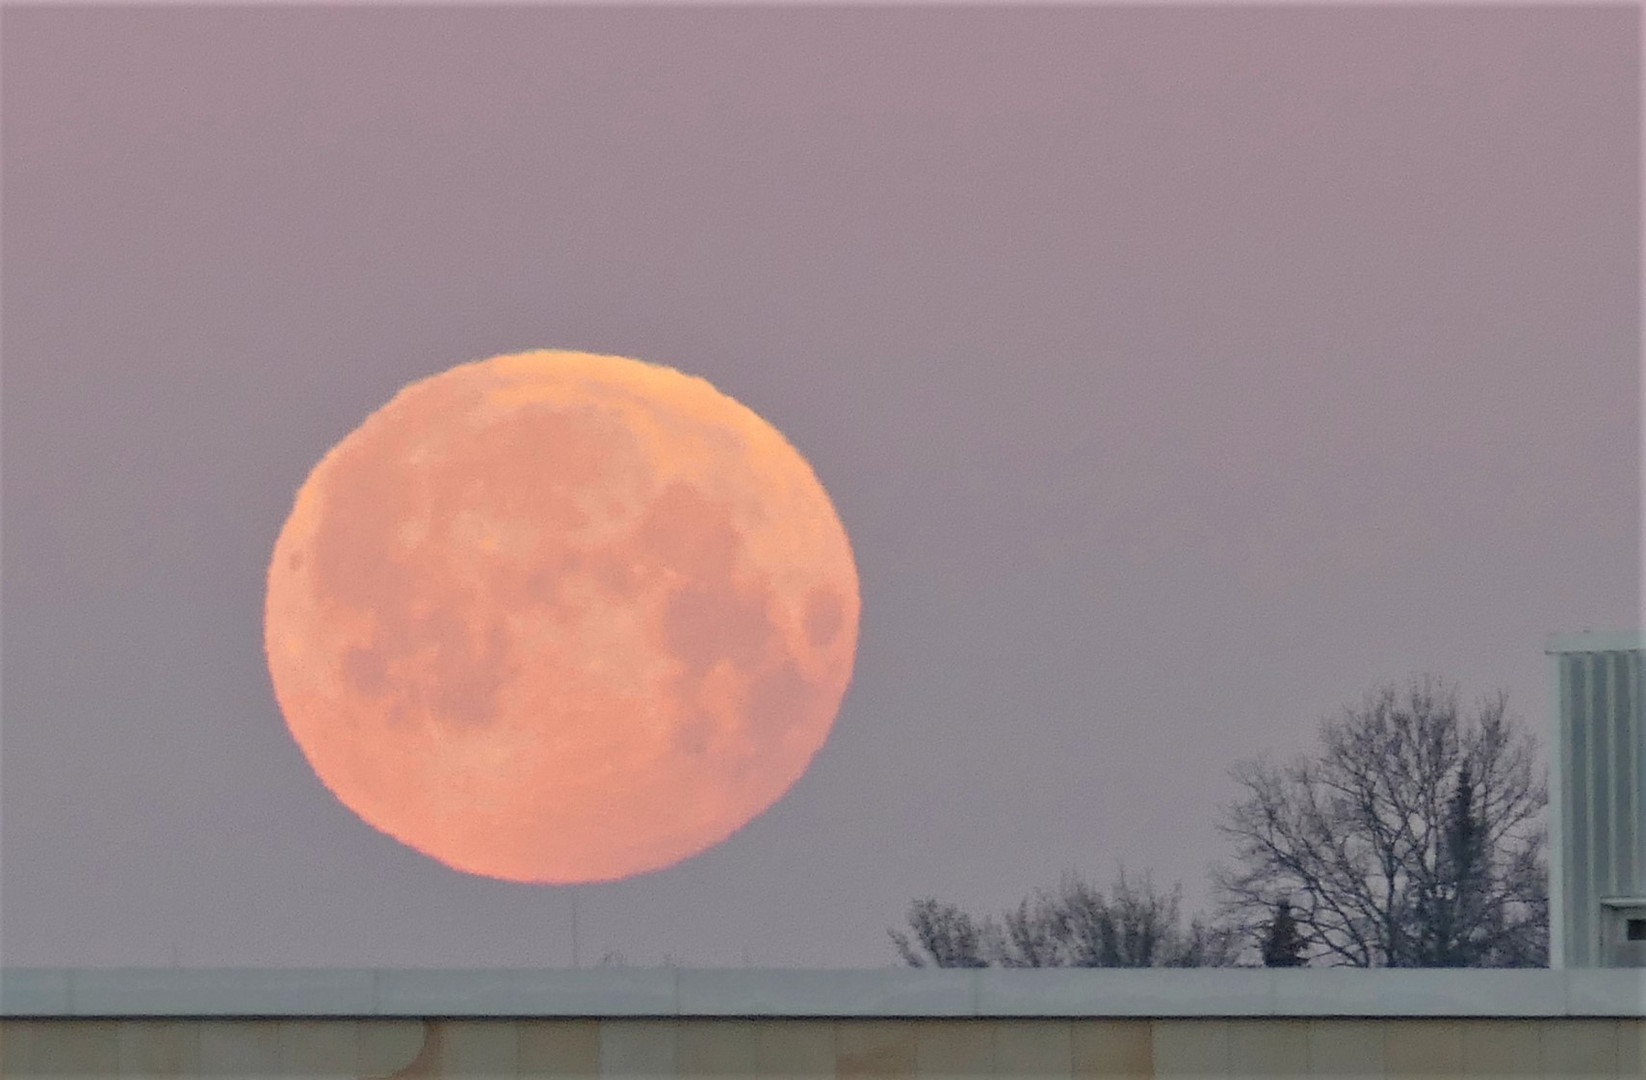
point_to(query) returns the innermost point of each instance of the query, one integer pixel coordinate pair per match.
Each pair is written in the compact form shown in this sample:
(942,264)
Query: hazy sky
(1178,373)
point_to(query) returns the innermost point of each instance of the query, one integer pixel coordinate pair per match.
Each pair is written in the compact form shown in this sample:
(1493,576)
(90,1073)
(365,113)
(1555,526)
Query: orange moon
(559,617)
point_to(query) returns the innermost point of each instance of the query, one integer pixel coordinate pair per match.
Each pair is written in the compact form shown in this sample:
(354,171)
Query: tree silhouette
(1283,947)
(1413,839)
(1076,925)
(1459,920)
(944,936)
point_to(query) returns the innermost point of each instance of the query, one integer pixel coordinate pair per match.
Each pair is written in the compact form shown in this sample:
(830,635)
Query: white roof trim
(792,993)
(1611,641)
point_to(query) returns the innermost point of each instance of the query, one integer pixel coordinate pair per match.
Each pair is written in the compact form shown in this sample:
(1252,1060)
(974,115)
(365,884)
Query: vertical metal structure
(1597,810)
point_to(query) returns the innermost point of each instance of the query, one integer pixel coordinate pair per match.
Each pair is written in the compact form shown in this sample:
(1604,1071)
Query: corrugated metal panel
(1574,733)
(1625,756)
(1600,821)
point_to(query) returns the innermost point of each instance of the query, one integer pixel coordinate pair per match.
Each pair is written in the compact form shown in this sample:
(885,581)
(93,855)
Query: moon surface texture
(558,617)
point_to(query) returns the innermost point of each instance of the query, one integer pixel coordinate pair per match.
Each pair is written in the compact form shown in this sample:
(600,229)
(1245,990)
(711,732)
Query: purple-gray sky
(1179,374)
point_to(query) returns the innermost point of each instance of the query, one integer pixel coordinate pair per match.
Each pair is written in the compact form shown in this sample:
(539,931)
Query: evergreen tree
(1460,909)
(1284,945)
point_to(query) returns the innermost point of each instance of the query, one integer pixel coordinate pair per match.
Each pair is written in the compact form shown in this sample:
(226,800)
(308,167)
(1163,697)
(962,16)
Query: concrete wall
(818,1048)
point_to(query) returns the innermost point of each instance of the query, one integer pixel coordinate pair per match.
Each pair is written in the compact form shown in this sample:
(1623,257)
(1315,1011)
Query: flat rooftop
(1595,641)
(889,992)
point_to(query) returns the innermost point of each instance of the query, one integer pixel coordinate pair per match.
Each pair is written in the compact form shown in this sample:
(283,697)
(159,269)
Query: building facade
(1597,809)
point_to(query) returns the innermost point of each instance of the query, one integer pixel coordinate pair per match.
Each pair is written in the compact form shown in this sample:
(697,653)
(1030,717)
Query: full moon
(559,617)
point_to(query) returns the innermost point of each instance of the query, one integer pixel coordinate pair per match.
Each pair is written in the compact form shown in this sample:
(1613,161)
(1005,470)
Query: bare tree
(1075,925)
(944,936)
(1414,839)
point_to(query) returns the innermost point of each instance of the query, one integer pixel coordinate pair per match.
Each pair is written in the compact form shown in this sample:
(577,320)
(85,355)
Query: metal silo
(1597,809)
